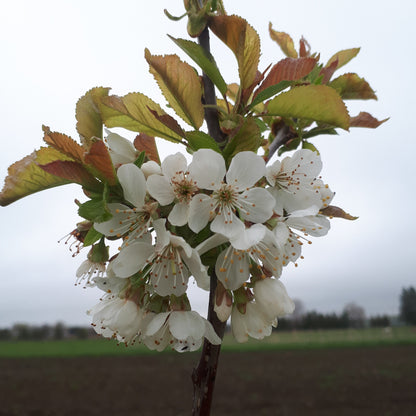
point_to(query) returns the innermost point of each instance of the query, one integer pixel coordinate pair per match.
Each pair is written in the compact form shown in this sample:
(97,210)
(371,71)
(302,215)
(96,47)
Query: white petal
(272,171)
(316,226)
(210,243)
(210,334)
(257,205)
(197,269)
(151,168)
(207,169)
(179,214)
(162,234)
(155,323)
(133,183)
(160,188)
(228,224)
(121,150)
(184,324)
(249,237)
(246,168)
(112,227)
(131,258)
(232,268)
(199,212)
(174,164)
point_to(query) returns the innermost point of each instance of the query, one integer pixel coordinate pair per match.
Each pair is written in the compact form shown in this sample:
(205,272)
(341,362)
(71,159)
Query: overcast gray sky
(53,52)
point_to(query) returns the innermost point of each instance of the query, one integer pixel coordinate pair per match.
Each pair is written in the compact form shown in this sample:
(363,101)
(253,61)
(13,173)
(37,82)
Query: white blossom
(232,200)
(181,330)
(174,185)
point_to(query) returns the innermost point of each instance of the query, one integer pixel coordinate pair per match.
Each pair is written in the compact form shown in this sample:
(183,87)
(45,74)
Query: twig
(204,374)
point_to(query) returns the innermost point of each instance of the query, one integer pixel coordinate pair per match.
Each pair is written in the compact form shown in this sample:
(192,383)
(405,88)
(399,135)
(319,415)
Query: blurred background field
(279,340)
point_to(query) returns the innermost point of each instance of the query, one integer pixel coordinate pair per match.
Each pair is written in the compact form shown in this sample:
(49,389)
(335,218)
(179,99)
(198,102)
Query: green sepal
(95,209)
(309,146)
(92,237)
(99,253)
(292,145)
(140,160)
(316,131)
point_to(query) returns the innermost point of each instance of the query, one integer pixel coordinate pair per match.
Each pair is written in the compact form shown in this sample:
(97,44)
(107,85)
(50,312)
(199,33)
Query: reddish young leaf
(284,41)
(243,40)
(366,120)
(304,48)
(288,69)
(147,144)
(64,144)
(169,122)
(99,158)
(328,71)
(73,172)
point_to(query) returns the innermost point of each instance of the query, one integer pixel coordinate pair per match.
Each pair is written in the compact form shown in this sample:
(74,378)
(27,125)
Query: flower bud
(272,298)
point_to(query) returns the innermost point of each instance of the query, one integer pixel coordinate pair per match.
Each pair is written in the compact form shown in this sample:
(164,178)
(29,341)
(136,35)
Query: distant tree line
(352,316)
(25,332)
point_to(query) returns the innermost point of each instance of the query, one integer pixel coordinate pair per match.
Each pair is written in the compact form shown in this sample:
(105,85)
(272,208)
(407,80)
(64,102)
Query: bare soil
(356,381)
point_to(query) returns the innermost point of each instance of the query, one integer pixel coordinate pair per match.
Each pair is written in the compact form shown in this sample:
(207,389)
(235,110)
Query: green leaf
(270,92)
(180,85)
(204,61)
(25,177)
(89,122)
(248,137)
(132,112)
(243,40)
(312,102)
(200,140)
(351,87)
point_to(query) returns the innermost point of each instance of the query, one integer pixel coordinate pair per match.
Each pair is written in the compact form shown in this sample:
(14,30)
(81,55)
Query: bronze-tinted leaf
(64,144)
(89,122)
(132,112)
(147,144)
(25,177)
(180,85)
(350,86)
(366,120)
(99,158)
(288,69)
(284,41)
(169,122)
(243,40)
(73,172)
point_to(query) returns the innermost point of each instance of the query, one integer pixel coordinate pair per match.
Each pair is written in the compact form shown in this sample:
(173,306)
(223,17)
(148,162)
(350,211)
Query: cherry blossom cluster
(179,220)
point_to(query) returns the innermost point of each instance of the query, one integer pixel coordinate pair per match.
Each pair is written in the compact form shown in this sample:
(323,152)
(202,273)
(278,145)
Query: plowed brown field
(355,381)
